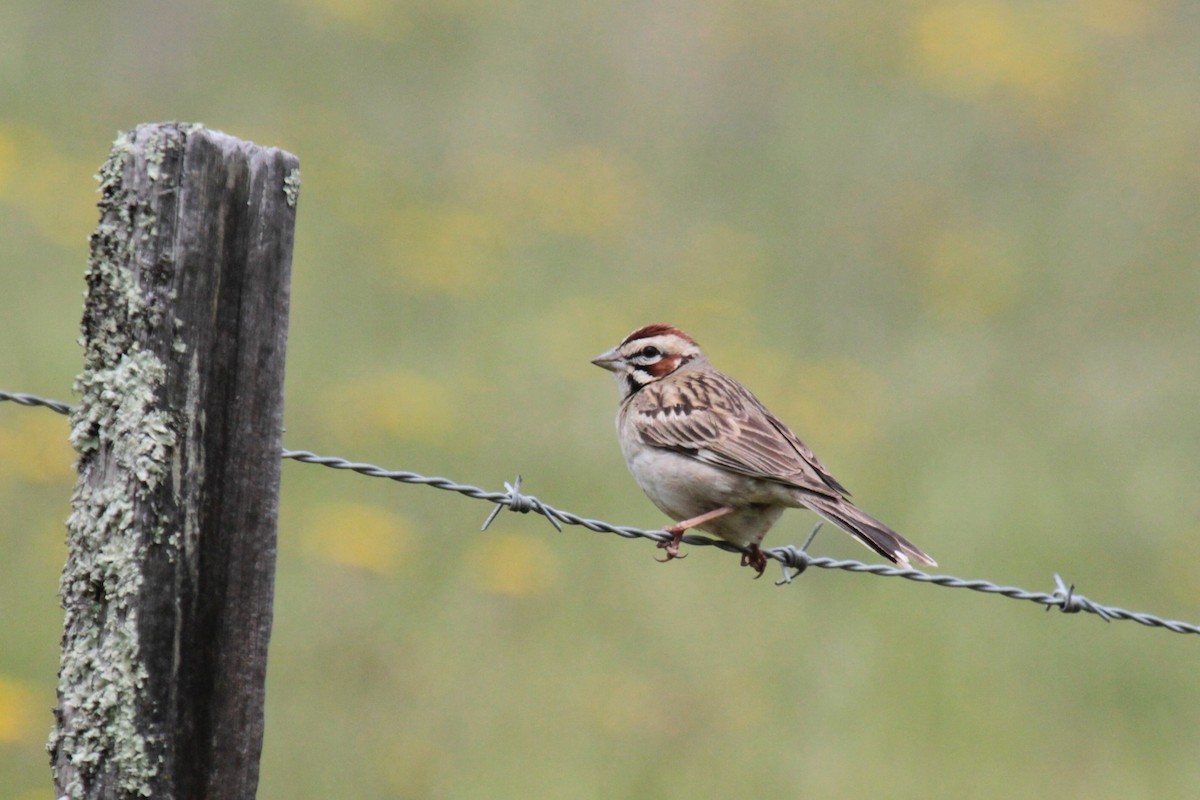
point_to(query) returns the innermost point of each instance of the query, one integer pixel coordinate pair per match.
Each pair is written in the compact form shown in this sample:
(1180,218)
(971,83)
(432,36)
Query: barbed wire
(34,400)
(790,557)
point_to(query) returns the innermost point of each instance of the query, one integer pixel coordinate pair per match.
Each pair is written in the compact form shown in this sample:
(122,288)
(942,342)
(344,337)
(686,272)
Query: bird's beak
(610,361)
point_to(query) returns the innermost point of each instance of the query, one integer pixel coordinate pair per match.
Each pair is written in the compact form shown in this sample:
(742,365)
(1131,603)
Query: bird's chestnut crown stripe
(656,329)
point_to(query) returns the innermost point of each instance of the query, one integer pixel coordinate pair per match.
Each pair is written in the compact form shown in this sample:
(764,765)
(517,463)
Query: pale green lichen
(126,445)
(291,186)
(155,153)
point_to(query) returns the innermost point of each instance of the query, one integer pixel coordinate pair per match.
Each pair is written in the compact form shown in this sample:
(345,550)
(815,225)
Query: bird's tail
(868,530)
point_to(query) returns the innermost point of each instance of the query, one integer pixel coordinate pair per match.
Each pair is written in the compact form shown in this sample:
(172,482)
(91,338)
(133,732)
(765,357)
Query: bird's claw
(757,559)
(671,546)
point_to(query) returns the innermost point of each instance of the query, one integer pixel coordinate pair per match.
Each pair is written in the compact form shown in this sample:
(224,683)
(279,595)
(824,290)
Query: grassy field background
(956,245)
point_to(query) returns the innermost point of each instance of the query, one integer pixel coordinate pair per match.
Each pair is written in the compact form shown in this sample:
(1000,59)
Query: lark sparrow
(711,456)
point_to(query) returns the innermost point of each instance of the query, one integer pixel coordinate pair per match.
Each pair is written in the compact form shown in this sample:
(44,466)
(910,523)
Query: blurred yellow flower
(400,403)
(573,329)
(36,450)
(965,274)
(450,250)
(975,48)
(8,157)
(717,273)
(625,702)
(1120,17)
(582,192)
(56,192)
(17,717)
(360,536)
(838,399)
(465,246)
(513,564)
(382,20)
(385,20)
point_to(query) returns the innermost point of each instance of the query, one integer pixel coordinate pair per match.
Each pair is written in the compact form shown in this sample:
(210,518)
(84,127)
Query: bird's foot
(756,558)
(671,546)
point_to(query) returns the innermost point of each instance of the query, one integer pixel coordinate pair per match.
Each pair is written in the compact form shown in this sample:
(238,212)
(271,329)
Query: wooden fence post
(171,540)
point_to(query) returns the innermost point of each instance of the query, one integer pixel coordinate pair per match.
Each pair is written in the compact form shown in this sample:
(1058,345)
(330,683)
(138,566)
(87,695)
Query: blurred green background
(954,244)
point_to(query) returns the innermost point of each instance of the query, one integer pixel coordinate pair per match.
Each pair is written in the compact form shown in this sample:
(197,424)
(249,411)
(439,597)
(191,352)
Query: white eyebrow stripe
(668,343)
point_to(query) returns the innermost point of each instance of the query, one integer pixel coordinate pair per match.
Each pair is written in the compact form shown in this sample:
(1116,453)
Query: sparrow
(710,456)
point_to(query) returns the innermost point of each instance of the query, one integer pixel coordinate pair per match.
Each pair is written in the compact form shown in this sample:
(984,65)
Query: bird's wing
(714,419)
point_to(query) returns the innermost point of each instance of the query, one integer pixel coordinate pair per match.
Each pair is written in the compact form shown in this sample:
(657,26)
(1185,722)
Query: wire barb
(797,559)
(522,504)
(791,557)
(1068,602)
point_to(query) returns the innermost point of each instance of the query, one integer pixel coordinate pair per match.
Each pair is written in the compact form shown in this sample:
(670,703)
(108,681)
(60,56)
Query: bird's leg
(755,558)
(676,531)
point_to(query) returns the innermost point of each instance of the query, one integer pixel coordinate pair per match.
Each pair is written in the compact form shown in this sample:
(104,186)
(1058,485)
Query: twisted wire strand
(34,400)
(793,558)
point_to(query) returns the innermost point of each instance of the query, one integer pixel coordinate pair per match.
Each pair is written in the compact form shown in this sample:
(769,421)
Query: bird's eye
(650,351)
